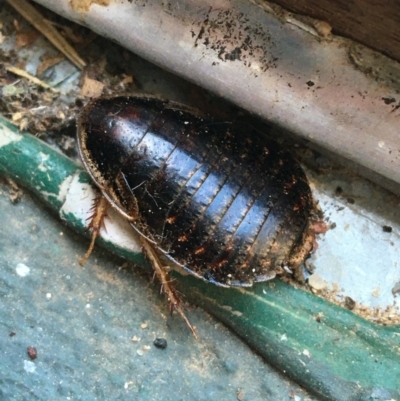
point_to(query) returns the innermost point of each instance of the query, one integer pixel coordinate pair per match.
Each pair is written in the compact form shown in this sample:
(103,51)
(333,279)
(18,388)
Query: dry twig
(24,74)
(41,24)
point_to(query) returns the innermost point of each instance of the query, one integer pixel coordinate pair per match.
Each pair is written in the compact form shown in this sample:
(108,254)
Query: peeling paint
(8,136)
(43,158)
(79,198)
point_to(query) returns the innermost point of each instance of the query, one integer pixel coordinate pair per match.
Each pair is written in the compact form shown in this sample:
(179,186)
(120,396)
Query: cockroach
(218,199)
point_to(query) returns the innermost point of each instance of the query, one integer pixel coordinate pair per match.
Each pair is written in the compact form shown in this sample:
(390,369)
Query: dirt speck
(160,343)
(387,229)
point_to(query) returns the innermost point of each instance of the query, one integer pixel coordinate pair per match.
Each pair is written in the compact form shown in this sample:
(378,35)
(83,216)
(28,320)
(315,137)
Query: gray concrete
(82,320)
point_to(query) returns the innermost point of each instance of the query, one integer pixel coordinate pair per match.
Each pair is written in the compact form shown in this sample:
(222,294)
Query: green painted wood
(34,164)
(325,348)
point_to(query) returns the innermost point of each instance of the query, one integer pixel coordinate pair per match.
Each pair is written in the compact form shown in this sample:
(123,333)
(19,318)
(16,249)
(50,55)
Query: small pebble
(32,352)
(320,227)
(316,282)
(323,28)
(349,303)
(160,343)
(22,269)
(29,366)
(240,394)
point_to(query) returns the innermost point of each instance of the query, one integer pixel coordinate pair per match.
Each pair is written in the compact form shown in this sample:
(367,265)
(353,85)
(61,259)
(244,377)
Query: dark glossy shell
(219,199)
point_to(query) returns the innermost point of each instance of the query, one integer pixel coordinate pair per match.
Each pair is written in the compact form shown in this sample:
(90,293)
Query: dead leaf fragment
(17,116)
(91,88)
(48,62)
(15,193)
(23,124)
(26,38)
(127,80)
(376,292)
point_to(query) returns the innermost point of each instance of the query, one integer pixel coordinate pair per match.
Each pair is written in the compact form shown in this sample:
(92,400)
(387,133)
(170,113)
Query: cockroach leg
(100,206)
(99,209)
(166,284)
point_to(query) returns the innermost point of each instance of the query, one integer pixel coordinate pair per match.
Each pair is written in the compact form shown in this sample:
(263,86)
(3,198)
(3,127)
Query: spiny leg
(97,222)
(166,285)
(100,206)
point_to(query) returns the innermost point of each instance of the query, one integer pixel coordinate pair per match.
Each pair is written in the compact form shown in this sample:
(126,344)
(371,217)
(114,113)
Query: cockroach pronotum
(218,199)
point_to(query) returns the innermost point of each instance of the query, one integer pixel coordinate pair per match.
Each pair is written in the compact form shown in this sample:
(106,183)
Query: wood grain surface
(374,23)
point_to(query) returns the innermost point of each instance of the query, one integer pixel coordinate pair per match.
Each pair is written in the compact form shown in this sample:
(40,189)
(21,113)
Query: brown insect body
(219,199)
